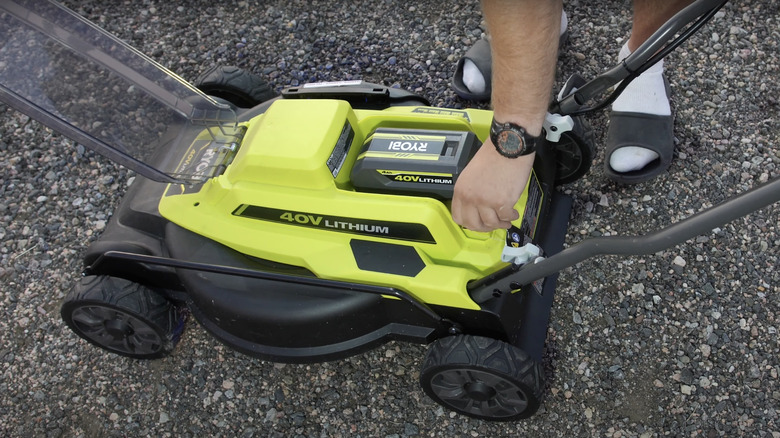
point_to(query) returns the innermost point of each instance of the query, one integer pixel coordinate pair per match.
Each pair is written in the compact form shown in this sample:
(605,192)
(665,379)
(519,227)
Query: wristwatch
(512,140)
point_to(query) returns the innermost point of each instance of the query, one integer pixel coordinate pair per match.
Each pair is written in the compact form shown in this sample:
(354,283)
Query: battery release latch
(521,255)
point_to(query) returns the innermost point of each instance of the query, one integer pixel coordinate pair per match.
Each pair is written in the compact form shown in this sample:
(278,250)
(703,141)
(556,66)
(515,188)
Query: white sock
(472,77)
(645,94)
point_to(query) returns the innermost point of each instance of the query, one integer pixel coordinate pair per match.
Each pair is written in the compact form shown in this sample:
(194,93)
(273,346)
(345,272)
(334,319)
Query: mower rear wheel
(123,317)
(239,87)
(574,152)
(482,378)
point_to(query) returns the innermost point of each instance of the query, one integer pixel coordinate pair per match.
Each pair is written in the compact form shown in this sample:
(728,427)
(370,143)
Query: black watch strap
(512,140)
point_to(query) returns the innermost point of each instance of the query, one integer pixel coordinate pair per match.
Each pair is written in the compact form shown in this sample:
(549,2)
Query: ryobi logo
(205,161)
(408,146)
(200,158)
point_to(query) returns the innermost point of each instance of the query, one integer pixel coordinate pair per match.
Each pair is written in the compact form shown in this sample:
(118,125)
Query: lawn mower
(315,225)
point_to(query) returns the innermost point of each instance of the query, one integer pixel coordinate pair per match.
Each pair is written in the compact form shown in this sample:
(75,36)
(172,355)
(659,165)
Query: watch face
(510,142)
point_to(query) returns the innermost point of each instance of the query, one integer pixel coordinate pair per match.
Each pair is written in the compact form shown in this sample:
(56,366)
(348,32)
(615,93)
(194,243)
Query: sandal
(479,54)
(643,130)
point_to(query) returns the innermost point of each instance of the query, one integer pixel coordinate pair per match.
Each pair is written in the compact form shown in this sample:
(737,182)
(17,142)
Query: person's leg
(472,76)
(647,93)
(649,15)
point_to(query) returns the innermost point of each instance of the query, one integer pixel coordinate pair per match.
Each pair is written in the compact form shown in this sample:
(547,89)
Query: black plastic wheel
(574,153)
(239,87)
(482,378)
(123,317)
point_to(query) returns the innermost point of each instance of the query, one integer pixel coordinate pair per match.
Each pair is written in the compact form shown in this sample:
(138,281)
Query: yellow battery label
(418,177)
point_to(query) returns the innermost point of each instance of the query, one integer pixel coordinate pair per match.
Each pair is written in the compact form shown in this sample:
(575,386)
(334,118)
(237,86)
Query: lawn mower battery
(413,161)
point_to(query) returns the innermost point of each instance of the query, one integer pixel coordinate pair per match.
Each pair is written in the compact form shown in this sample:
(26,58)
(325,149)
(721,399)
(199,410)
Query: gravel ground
(679,343)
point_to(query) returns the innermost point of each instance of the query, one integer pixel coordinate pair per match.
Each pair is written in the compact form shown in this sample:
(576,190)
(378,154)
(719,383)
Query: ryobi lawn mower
(315,225)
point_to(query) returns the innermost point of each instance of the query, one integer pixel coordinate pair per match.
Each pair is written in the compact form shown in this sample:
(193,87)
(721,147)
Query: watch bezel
(527,141)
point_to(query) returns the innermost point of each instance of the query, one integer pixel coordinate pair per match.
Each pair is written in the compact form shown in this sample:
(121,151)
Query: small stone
(686,389)
(228,384)
(686,376)
(679,261)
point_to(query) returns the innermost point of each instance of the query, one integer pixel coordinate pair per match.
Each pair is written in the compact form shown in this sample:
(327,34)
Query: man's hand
(488,189)
(524,48)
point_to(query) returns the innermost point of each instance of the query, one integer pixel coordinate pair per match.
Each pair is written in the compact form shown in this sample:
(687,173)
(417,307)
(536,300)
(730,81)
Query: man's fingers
(486,219)
(508,214)
(492,219)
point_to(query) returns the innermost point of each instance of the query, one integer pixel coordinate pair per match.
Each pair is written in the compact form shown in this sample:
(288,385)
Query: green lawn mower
(314,225)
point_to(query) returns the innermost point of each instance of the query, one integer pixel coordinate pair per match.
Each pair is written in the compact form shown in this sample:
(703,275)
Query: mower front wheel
(123,317)
(482,378)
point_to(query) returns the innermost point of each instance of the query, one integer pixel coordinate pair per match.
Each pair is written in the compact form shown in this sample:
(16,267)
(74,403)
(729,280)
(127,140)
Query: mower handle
(741,205)
(655,48)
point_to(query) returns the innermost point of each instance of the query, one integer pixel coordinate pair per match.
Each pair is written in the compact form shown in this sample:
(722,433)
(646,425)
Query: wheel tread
(131,297)
(235,85)
(488,354)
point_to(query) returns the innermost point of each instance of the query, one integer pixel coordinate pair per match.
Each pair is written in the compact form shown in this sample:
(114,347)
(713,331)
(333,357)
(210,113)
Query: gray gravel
(679,343)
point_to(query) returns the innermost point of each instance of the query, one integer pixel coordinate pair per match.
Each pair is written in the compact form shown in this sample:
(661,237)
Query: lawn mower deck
(299,266)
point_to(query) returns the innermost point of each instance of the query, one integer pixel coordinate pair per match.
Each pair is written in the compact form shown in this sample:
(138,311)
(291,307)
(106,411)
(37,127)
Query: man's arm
(524,44)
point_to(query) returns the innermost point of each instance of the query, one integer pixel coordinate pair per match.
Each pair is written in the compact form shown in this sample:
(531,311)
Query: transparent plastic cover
(67,73)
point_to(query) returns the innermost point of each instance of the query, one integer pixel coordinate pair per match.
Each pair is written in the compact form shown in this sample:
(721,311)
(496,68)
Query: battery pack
(413,161)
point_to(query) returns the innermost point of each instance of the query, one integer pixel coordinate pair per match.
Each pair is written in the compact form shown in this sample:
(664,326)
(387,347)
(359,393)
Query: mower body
(340,267)
(309,227)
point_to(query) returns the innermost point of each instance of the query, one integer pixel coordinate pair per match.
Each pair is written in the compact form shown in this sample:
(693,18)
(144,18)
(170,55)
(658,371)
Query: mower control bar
(110,256)
(734,208)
